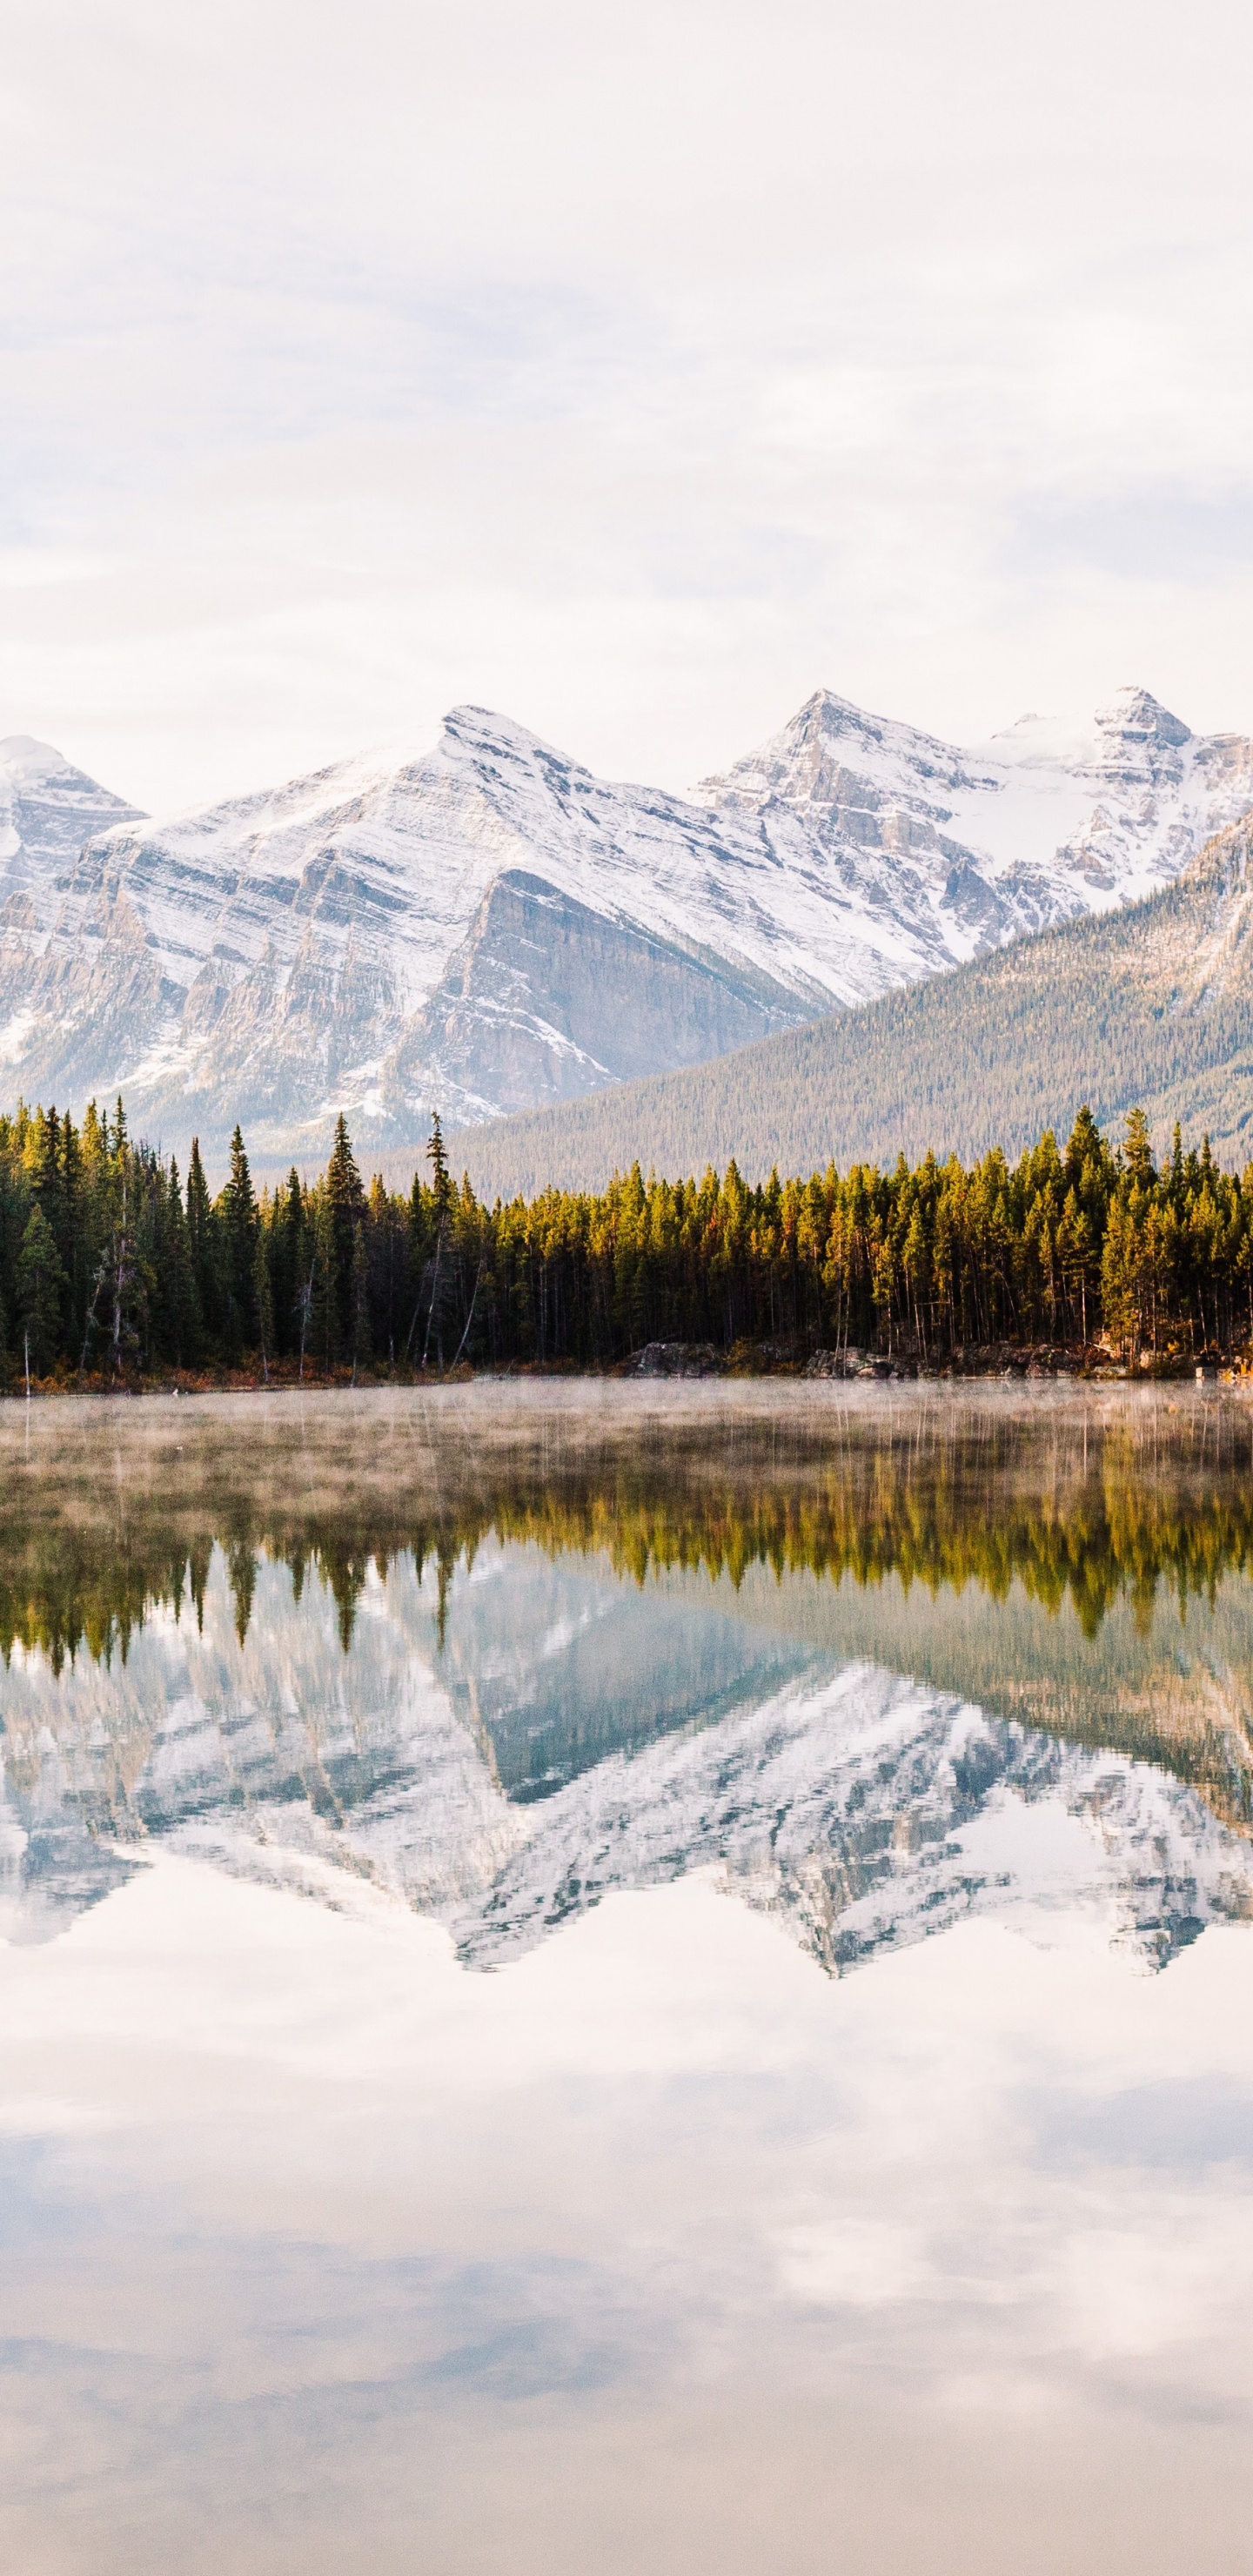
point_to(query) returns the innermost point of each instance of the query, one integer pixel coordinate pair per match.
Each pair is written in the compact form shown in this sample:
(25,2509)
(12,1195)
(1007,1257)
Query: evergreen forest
(114,1269)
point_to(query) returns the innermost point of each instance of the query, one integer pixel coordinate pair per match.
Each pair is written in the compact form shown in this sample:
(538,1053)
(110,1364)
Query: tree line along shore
(114,1270)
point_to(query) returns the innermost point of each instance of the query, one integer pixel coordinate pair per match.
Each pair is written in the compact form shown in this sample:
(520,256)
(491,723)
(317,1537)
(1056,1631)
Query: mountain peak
(468,718)
(26,761)
(829,742)
(826,710)
(826,716)
(36,774)
(481,725)
(1139,717)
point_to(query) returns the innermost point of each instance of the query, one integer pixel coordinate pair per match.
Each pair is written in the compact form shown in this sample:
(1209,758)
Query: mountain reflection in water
(502,1654)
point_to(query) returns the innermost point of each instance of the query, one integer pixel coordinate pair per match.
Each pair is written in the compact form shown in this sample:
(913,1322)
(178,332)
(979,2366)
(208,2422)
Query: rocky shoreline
(992,1360)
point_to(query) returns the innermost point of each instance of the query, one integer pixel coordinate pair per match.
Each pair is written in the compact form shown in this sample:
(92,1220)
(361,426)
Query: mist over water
(624,1977)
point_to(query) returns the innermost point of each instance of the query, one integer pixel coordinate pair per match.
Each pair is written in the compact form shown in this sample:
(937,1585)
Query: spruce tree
(48,1175)
(345,1200)
(74,1250)
(237,1218)
(385,1252)
(262,1299)
(287,1265)
(360,1303)
(1137,1152)
(40,1278)
(15,1203)
(441,1181)
(323,1322)
(202,1234)
(180,1306)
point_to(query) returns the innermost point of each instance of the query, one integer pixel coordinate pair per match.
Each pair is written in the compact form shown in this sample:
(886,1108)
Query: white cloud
(634,372)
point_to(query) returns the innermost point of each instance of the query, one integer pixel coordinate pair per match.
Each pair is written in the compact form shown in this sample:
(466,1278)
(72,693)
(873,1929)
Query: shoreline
(678,1363)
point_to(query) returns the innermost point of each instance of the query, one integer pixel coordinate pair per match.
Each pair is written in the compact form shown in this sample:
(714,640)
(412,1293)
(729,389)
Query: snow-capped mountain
(489,927)
(864,1809)
(48,810)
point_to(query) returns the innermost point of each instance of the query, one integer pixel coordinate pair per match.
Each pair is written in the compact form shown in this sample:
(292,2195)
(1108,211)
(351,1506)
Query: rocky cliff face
(489,927)
(549,999)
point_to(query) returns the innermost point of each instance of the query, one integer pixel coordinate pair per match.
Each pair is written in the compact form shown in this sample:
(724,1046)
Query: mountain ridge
(1148,1007)
(487,927)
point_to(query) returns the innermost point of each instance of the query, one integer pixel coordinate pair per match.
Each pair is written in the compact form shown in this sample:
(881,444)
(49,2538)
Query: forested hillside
(113,1269)
(1150,1006)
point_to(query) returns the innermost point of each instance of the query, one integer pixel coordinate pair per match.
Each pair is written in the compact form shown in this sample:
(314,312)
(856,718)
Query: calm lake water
(612,1980)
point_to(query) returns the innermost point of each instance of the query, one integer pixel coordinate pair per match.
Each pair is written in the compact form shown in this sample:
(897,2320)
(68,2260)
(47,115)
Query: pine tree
(15,1203)
(40,1279)
(237,1218)
(1138,1147)
(202,1233)
(345,1200)
(439,1291)
(323,1323)
(287,1266)
(48,1175)
(263,1302)
(75,1249)
(305,1303)
(385,1248)
(437,1158)
(360,1303)
(180,1324)
(117,1313)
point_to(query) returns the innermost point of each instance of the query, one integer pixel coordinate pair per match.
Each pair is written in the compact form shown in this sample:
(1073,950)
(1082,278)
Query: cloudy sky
(630,369)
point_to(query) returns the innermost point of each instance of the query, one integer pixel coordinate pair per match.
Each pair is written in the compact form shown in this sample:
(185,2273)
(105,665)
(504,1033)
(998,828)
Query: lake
(619,1978)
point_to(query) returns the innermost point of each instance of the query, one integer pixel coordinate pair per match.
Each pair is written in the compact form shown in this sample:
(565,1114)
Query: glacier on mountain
(488,927)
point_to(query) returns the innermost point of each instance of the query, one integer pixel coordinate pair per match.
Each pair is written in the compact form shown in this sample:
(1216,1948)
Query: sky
(632,372)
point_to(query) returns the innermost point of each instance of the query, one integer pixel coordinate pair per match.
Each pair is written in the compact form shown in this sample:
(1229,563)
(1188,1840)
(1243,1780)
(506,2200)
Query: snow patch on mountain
(48,809)
(488,926)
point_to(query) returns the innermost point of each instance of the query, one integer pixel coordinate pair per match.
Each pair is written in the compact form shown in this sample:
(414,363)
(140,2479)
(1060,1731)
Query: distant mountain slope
(48,809)
(490,928)
(1153,1004)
